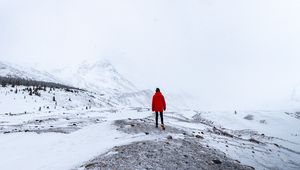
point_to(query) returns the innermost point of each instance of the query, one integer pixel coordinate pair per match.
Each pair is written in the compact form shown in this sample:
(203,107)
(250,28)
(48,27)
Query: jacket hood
(158,93)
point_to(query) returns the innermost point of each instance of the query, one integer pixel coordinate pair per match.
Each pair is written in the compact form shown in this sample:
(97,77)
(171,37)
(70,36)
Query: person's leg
(161,118)
(156,119)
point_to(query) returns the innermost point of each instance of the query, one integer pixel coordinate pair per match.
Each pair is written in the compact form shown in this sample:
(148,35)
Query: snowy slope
(16,71)
(21,101)
(262,139)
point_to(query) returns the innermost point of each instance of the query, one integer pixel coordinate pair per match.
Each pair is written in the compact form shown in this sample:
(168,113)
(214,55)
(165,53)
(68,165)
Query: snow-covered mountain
(16,71)
(102,78)
(97,76)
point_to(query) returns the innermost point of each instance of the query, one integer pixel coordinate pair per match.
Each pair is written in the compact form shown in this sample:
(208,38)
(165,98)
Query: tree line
(15,81)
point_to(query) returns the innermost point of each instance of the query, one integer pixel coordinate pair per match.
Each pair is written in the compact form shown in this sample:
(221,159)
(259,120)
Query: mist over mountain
(227,54)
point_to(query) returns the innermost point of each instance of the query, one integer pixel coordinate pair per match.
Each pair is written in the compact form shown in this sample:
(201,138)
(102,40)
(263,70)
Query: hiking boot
(163,127)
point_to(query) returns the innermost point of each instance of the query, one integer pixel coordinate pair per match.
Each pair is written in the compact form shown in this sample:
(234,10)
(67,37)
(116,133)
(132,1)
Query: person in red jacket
(158,105)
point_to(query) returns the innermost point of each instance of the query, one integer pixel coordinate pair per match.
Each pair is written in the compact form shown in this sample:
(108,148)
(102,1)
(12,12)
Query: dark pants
(161,118)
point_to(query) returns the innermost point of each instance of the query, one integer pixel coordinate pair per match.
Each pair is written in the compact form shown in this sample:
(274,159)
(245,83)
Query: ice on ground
(63,151)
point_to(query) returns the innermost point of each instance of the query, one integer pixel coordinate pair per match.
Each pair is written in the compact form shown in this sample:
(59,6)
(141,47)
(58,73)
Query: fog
(229,54)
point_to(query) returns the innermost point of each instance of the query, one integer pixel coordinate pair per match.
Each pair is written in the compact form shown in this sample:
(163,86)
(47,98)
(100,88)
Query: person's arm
(164,103)
(153,104)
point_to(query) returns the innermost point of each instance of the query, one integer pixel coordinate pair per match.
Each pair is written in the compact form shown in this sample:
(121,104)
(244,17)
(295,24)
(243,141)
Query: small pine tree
(53,99)
(3,84)
(30,91)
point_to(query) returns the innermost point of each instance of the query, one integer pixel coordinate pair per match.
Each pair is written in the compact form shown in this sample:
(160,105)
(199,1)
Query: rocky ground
(190,141)
(172,149)
(59,122)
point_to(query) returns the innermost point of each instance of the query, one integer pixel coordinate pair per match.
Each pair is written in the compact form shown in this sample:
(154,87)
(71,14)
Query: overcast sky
(227,53)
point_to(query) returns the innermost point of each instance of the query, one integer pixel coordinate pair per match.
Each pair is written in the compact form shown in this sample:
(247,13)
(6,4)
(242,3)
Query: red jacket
(158,102)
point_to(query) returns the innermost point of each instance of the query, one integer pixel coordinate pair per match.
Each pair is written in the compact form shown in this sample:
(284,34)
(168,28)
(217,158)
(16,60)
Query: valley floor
(127,139)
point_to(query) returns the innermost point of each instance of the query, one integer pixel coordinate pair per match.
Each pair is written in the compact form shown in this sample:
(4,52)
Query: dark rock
(263,121)
(200,137)
(254,140)
(216,161)
(90,165)
(249,117)
(169,137)
(237,161)
(222,132)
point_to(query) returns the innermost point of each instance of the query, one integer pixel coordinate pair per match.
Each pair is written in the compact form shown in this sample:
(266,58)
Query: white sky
(228,54)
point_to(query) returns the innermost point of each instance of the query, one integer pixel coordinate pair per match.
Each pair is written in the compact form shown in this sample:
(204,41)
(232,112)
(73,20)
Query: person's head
(157,90)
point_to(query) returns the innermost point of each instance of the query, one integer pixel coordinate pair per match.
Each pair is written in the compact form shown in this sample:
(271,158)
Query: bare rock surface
(183,151)
(164,154)
(144,126)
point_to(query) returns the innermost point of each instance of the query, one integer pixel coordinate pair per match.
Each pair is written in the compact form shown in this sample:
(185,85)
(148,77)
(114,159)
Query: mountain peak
(100,65)
(96,75)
